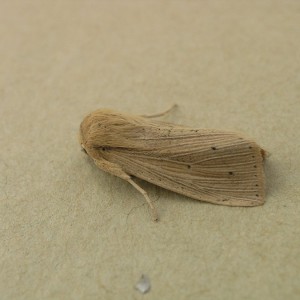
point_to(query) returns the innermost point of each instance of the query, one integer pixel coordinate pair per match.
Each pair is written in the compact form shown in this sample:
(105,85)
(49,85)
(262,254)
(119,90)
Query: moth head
(82,136)
(103,129)
(81,142)
(89,131)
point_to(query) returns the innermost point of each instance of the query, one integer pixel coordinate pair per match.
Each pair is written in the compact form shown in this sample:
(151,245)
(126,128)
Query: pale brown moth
(209,165)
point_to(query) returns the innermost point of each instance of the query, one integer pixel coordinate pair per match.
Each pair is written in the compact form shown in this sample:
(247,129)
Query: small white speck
(143,285)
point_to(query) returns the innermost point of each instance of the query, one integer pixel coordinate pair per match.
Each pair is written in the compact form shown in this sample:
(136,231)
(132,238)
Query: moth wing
(207,165)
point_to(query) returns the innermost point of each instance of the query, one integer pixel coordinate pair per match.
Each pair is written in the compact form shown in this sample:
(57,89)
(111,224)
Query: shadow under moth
(209,165)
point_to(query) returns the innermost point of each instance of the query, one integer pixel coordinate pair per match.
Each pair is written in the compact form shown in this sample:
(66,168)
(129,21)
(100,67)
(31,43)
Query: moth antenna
(144,193)
(162,113)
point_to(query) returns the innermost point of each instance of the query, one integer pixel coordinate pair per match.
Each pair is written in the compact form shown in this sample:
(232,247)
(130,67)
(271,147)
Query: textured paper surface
(70,231)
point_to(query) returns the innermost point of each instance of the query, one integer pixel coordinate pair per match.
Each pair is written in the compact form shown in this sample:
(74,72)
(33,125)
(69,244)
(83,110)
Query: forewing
(208,165)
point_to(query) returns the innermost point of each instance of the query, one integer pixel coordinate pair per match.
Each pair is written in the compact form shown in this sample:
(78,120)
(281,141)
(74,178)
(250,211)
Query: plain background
(70,231)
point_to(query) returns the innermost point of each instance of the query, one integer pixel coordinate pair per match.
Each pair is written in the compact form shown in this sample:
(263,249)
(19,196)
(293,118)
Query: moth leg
(160,114)
(144,193)
(116,170)
(111,168)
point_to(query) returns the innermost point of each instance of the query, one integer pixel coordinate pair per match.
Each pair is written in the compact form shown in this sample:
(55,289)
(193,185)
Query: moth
(210,165)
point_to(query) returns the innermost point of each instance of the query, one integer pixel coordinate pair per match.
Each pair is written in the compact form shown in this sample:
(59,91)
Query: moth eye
(107,148)
(101,125)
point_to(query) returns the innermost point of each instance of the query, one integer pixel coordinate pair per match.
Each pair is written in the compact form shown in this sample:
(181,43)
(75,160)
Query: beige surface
(70,231)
